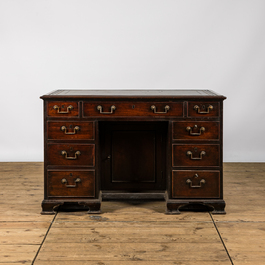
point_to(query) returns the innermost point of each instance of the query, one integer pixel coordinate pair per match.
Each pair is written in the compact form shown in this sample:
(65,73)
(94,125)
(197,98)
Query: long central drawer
(120,109)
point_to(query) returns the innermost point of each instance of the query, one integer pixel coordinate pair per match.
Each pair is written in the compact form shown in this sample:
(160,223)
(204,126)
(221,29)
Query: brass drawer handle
(196,107)
(76,128)
(153,108)
(112,108)
(202,181)
(69,108)
(77,180)
(189,129)
(77,153)
(202,153)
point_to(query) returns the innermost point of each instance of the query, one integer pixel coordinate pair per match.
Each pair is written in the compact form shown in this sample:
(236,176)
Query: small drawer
(71,183)
(63,109)
(123,109)
(203,109)
(199,130)
(71,130)
(71,154)
(191,155)
(195,184)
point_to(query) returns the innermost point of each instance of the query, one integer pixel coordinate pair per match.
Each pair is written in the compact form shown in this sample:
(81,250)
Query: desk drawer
(63,109)
(195,155)
(71,183)
(71,154)
(121,109)
(71,130)
(199,130)
(203,109)
(195,184)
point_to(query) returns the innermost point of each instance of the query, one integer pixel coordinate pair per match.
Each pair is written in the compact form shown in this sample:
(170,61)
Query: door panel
(133,155)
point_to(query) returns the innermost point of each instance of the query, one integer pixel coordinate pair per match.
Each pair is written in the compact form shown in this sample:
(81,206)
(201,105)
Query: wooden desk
(133,144)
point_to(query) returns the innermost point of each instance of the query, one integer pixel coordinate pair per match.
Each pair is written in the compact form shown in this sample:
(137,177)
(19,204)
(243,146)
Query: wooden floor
(128,233)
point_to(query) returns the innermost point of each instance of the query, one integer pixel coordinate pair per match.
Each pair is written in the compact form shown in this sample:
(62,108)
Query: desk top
(129,93)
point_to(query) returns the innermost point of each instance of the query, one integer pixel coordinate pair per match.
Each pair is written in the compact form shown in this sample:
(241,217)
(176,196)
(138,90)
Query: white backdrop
(45,45)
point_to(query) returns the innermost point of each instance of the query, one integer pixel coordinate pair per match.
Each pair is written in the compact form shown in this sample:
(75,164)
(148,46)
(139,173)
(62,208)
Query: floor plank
(128,262)
(129,233)
(22,228)
(244,241)
(18,254)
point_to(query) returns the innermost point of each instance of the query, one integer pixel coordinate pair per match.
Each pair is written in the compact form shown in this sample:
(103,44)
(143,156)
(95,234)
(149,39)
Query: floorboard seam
(44,238)
(222,240)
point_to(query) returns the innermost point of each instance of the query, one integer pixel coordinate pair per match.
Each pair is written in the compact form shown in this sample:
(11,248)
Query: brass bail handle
(202,153)
(196,107)
(64,129)
(64,181)
(189,129)
(69,108)
(100,108)
(153,108)
(64,153)
(202,181)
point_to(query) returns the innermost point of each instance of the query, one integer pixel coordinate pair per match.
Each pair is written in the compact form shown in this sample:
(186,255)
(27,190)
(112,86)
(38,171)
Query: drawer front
(63,109)
(71,154)
(199,130)
(195,184)
(203,109)
(71,183)
(195,155)
(71,130)
(121,109)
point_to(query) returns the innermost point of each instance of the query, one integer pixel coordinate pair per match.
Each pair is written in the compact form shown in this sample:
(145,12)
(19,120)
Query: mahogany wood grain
(84,188)
(64,112)
(86,130)
(215,112)
(211,132)
(180,158)
(86,158)
(196,189)
(132,109)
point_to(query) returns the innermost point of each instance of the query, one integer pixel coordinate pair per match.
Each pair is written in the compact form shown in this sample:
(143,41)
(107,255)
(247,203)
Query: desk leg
(94,206)
(214,206)
(50,207)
